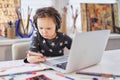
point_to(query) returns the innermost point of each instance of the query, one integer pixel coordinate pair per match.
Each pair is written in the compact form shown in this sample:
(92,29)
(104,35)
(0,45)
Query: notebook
(86,50)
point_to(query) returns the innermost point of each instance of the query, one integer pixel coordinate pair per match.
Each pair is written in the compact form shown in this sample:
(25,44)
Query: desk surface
(108,64)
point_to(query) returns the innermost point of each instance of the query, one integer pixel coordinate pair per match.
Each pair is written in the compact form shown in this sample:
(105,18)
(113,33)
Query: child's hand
(33,57)
(30,53)
(36,59)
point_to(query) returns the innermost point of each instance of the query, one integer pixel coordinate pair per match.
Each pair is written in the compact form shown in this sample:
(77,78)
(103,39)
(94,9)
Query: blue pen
(30,72)
(69,78)
(98,74)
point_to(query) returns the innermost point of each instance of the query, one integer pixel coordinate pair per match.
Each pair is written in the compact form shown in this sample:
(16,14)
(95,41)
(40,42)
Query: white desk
(109,64)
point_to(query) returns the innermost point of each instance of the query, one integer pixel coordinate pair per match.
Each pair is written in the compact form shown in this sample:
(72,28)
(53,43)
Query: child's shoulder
(61,34)
(37,34)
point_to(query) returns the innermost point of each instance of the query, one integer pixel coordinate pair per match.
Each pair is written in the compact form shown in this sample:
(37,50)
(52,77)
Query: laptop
(86,50)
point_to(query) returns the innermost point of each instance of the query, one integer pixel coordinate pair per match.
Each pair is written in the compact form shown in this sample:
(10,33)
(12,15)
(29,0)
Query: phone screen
(39,77)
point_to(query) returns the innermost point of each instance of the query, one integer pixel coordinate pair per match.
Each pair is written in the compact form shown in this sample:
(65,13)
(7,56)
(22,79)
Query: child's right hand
(33,57)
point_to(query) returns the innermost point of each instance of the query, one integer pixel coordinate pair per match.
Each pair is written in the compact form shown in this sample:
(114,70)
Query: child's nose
(44,31)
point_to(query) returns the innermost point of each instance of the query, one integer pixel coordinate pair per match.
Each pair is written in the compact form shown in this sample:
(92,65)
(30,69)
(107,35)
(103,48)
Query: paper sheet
(18,67)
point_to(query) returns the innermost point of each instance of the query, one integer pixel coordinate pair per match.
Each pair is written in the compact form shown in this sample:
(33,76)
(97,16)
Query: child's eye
(48,28)
(40,28)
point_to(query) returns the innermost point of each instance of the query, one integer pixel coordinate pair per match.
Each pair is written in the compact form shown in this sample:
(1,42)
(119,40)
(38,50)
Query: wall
(34,4)
(76,4)
(92,1)
(59,5)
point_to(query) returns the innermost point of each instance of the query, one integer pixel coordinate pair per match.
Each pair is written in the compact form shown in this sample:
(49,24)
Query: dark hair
(48,12)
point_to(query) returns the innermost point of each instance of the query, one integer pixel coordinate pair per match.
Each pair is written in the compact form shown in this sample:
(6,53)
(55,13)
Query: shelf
(6,41)
(114,36)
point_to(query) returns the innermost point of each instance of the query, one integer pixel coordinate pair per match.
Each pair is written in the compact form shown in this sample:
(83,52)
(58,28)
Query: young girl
(47,41)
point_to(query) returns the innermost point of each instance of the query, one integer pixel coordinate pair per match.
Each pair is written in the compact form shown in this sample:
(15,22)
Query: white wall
(34,4)
(92,1)
(59,4)
(76,4)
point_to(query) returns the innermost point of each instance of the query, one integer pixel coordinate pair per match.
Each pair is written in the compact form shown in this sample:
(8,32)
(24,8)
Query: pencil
(27,72)
(61,75)
(98,74)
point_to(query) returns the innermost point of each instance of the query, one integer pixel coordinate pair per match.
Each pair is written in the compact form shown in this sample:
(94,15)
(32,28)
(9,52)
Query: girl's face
(47,27)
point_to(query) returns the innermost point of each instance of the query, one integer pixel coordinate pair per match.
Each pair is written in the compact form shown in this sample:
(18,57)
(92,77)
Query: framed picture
(99,17)
(8,13)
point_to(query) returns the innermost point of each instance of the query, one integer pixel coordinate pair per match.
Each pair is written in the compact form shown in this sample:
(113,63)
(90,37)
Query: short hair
(48,12)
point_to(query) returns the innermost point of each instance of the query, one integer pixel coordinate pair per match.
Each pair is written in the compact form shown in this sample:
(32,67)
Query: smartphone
(39,77)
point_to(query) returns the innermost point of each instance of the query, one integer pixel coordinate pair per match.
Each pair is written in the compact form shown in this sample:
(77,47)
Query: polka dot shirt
(50,47)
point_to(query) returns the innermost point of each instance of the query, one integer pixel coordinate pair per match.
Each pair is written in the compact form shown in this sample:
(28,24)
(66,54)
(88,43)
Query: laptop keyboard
(62,65)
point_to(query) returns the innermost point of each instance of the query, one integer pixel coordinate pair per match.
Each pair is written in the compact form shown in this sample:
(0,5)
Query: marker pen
(61,75)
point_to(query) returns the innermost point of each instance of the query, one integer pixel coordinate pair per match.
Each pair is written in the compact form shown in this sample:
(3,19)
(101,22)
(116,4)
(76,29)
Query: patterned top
(50,47)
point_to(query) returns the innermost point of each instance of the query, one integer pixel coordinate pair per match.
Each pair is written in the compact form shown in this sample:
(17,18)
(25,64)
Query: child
(47,41)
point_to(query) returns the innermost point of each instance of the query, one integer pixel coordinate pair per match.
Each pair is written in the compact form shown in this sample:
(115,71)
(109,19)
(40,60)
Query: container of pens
(11,30)
(22,31)
(24,26)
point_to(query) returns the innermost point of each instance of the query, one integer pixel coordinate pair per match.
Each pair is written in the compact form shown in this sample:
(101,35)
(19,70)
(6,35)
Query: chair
(19,50)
